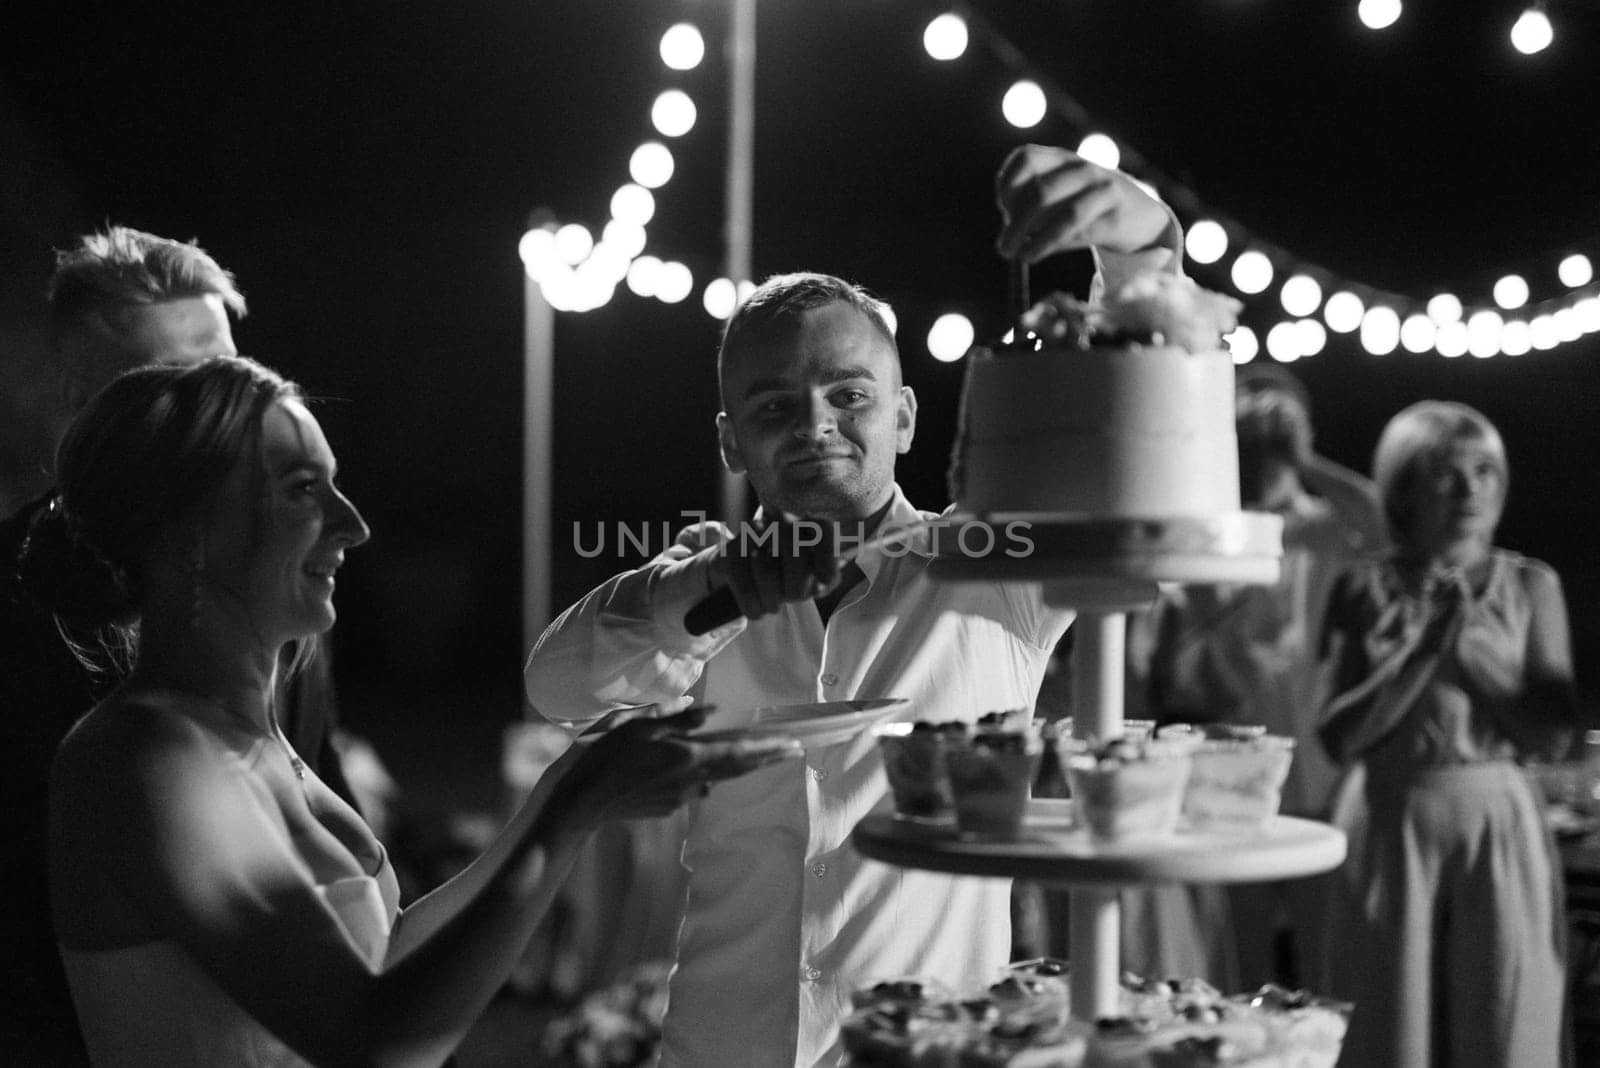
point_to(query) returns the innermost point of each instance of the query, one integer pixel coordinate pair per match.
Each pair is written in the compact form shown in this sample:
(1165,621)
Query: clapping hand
(1052,200)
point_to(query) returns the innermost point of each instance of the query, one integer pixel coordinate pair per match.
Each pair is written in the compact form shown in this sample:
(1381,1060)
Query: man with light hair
(119,298)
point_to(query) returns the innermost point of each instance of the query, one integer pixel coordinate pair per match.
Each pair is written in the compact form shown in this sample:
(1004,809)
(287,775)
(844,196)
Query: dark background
(366,169)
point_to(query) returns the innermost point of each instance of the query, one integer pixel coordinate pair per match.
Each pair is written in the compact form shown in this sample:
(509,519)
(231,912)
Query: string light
(950,337)
(1243,344)
(674,283)
(1378,14)
(1300,295)
(1575,271)
(673,113)
(651,164)
(580,272)
(1483,333)
(1343,312)
(1417,333)
(682,47)
(720,298)
(1206,241)
(945,37)
(1283,344)
(643,274)
(633,204)
(1252,272)
(1532,32)
(1099,149)
(1511,292)
(573,243)
(1452,340)
(1024,104)
(1516,339)
(1445,308)
(1311,336)
(1380,330)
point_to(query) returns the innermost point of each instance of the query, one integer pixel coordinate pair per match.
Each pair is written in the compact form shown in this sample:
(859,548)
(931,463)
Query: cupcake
(913,991)
(1134,730)
(1237,783)
(1308,1030)
(1019,1042)
(913,760)
(1127,791)
(991,778)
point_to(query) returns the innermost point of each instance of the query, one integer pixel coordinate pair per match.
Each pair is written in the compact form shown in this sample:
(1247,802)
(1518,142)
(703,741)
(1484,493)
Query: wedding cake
(1125,412)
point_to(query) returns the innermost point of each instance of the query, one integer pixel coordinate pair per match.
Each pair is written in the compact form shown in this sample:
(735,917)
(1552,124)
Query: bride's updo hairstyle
(145,450)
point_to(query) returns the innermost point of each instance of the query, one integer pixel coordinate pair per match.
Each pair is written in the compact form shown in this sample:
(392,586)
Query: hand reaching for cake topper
(1052,199)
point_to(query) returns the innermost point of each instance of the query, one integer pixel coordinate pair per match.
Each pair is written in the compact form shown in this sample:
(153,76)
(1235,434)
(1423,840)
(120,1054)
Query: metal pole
(1094,916)
(737,228)
(538,344)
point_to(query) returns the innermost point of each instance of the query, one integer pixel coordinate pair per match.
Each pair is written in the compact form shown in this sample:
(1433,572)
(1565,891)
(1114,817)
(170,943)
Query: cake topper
(1152,308)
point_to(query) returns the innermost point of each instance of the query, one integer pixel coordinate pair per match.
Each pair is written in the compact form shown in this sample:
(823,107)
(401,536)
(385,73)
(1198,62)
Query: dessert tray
(824,723)
(1051,848)
(1086,562)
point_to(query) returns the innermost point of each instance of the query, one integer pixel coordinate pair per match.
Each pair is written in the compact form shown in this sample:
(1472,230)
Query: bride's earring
(197,571)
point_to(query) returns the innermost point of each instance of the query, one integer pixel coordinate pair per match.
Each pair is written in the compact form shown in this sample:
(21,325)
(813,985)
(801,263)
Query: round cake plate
(1284,848)
(1089,562)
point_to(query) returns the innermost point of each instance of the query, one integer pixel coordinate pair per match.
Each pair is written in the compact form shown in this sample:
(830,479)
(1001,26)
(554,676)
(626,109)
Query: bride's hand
(648,766)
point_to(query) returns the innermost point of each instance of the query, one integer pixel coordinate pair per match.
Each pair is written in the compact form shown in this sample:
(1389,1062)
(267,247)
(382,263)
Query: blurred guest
(214,901)
(1249,654)
(1452,662)
(783,919)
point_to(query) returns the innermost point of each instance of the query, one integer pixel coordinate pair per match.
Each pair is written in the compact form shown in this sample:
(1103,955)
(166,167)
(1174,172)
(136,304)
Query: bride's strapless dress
(152,1005)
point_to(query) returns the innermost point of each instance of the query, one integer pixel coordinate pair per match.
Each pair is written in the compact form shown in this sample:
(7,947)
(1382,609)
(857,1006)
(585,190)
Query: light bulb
(1380,330)
(1575,271)
(1300,295)
(1511,292)
(1252,272)
(651,164)
(1024,104)
(1101,149)
(1243,344)
(1343,312)
(673,113)
(1283,344)
(1206,241)
(720,298)
(682,47)
(633,204)
(1378,14)
(1532,31)
(946,37)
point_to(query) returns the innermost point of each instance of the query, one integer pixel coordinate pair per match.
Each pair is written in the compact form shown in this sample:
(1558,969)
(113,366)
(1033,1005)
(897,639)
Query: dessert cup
(914,762)
(1127,791)
(991,778)
(1237,784)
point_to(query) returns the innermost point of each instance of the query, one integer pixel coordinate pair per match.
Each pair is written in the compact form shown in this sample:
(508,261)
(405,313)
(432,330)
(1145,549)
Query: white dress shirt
(783,919)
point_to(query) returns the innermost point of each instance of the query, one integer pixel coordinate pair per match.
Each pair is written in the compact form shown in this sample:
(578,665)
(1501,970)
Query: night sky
(366,169)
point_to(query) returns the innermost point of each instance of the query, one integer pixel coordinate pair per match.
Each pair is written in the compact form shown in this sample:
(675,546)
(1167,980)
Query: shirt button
(812,974)
(830,680)
(819,773)
(820,868)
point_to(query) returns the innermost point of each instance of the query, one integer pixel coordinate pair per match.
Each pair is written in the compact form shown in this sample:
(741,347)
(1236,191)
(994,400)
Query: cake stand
(1105,568)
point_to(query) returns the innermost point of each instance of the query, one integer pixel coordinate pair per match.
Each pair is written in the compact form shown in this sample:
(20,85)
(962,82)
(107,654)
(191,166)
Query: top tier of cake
(1113,431)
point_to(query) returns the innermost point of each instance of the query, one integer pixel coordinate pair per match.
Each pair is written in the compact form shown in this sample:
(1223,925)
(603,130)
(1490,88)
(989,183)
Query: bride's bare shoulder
(127,736)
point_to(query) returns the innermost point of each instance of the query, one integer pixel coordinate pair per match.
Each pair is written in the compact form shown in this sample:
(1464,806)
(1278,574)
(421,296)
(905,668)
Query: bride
(214,902)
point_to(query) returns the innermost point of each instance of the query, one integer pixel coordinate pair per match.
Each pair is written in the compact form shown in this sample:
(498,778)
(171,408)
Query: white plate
(821,724)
